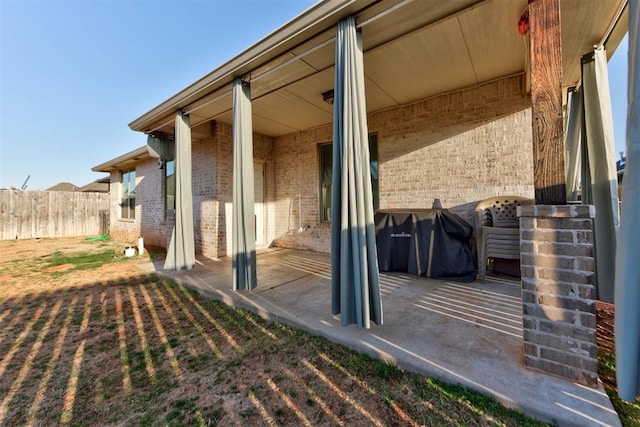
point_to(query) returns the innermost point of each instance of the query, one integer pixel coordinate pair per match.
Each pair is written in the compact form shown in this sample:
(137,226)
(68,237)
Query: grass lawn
(628,412)
(87,340)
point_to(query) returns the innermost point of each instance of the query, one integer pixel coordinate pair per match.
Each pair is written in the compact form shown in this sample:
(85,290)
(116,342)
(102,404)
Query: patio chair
(497,229)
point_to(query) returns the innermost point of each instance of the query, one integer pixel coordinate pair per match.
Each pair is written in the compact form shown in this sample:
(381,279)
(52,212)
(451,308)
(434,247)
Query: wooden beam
(546,102)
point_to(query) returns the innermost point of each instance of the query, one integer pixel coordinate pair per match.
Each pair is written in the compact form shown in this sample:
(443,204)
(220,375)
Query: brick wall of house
(460,147)
(149,219)
(116,229)
(212,175)
(203,183)
(150,202)
(224,180)
(297,187)
(263,154)
(124,230)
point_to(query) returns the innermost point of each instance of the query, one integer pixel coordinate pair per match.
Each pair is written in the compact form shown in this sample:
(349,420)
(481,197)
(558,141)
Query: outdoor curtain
(355,281)
(181,253)
(627,293)
(243,221)
(573,142)
(600,145)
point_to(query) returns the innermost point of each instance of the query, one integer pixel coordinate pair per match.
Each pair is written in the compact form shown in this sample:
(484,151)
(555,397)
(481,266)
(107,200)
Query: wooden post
(546,102)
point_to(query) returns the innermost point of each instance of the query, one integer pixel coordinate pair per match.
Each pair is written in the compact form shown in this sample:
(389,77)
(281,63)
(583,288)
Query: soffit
(125,161)
(427,63)
(492,40)
(415,50)
(318,18)
(584,24)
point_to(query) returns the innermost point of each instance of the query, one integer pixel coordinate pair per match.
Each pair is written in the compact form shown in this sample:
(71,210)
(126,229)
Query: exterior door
(259,207)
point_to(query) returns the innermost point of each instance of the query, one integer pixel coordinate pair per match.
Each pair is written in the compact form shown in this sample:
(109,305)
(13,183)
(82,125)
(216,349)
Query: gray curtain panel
(355,282)
(243,221)
(602,167)
(181,253)
(573,143)
(627,291)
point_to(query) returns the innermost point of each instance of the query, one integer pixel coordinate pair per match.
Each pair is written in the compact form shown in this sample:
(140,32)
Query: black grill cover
(428,242)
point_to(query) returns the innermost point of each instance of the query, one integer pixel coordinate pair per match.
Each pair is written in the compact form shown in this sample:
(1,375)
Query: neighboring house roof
(64,186)
(412,50)
(98,186)
(125,161)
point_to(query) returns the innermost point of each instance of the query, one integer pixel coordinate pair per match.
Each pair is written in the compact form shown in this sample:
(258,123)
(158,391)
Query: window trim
(165,178)
(320,180)
(130,194)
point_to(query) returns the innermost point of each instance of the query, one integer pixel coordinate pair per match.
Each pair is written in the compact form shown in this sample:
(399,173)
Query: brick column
(558,290)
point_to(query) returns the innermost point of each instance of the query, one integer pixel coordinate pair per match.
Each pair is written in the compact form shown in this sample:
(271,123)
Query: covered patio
(466,333)
(440,80)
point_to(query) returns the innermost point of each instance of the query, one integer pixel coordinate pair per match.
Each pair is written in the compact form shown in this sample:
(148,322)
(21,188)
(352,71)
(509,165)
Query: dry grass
(629,412)
(107,346)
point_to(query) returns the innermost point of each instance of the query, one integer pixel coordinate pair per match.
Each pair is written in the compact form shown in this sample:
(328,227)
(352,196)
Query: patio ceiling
(413,50)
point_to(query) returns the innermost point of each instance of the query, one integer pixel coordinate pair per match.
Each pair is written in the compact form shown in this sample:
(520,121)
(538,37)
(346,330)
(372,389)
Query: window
(128,201)
(326,166)
(170,185)
(326,169)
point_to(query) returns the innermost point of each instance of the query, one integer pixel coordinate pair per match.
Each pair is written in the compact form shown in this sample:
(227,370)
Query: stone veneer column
(558,290)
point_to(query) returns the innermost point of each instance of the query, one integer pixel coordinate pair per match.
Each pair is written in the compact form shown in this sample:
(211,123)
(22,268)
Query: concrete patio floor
(470,334)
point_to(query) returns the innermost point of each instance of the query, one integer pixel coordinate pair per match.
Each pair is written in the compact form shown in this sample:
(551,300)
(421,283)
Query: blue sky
(73,74)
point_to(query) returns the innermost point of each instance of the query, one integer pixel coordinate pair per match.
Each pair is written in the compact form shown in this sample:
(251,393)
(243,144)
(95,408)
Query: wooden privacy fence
(31,214)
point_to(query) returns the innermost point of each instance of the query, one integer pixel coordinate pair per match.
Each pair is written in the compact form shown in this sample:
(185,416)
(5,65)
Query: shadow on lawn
(143,350)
